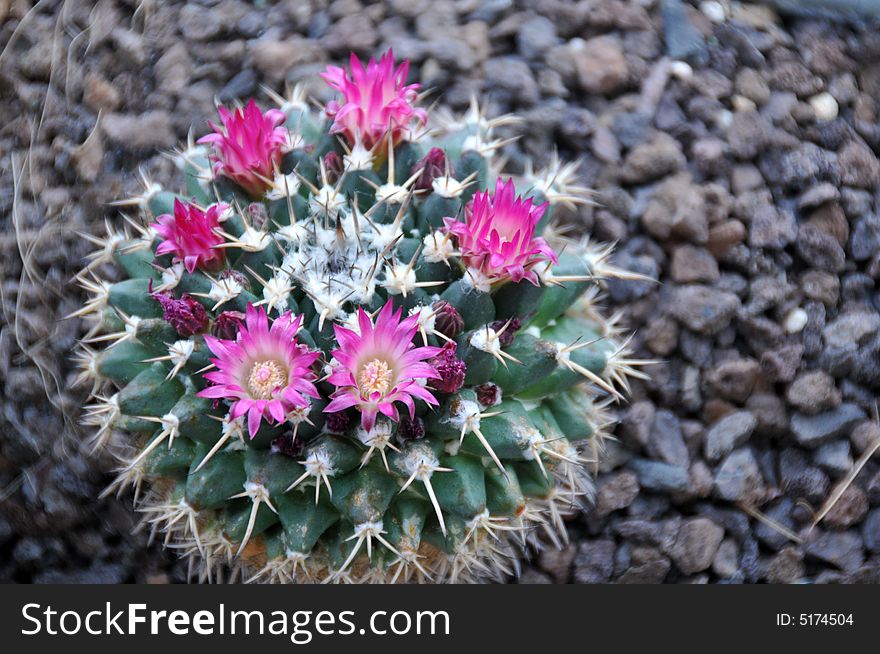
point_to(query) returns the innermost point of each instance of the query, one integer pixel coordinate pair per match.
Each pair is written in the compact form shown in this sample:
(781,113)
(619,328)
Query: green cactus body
(457,492)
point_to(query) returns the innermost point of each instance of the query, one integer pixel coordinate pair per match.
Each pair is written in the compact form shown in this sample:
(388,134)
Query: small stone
(735,379)
(660,477)
(820,250)
(851,329)
(665,440)
(650,161)
(725,563)
(769,411)
(173,70)
(865,240)
(536,36)
(198,24)
(616,492)
(799,478)
(728,433)
(818,195)
(703,309)
(795,321)
(558,562)
(594,561)
(787,567)
(865,435)
(724,235)
(834,457)
(831,219)
(812,392)
(600,65)
(694,264)
(814,430)
(824,105)
(739,478)
(858,166)
(772,228)
(273,58)
(751,84)
(821,286)
(648,566)
(88,158)
(796,78)
(697,543)
(842,549)
(849,509)
(683,40)
(148,131)
(100,95)
(871,532)
(713,10)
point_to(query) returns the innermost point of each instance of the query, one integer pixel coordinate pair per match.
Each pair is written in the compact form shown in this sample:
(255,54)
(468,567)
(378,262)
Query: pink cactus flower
(264,370)
(249,146)
(381,366)
(191,236)
(498,235)
(375,99)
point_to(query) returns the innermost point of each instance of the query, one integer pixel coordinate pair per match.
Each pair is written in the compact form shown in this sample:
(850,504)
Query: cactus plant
(343,353)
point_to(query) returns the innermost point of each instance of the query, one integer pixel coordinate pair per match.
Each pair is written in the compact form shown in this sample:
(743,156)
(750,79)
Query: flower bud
(186,314)
(450,368)
(447,319)
(432,165)
(227,324)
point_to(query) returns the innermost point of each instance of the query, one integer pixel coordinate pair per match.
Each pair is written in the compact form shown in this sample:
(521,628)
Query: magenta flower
(498,235)
(264,369)
(376,98)
(380,366)
(249,146)
(191,236)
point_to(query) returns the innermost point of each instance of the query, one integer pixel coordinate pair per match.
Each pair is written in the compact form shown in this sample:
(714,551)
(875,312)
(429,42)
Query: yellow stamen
(265,377)
(375,377)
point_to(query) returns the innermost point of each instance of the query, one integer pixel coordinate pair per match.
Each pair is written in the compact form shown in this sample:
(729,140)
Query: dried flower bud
(289,445)
(337,422)
(227,324)
(186,314)
(447,319)
(258,215)
(508,335)
(334,166)
(432,165)
(450,368)
(410,429)
(488,394)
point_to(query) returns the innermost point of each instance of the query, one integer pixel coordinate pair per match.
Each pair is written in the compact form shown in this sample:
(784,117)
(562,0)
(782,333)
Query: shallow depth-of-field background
(734,153)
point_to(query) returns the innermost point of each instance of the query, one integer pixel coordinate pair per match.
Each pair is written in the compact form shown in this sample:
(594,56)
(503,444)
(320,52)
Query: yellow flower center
(375,377)
(265,377)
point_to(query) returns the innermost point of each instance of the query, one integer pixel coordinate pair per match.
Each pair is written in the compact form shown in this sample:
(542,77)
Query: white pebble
(795,320)
(681,69)
(824,105)
(741,104)
(713,10)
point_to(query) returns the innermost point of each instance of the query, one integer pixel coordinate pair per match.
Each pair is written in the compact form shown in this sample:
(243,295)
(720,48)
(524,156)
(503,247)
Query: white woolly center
(437,248)
(399,279)
(447,187)
(486,339)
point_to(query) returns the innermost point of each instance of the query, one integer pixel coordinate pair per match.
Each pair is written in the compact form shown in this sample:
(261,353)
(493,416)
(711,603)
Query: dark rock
(799,167)
(594,561)
(772,228)
(647,566)
(834,457)
(865,240)
(739,480)
(787,567)
(780,513)
(244,84)
(858,166)
(683,40)
(649,161)
(703,309)
(849,509)
(842,549)
(813,392)
(665,441)
(871,532)
(820,250)
(769,412)
(852,329)
(693,264)
(558,562)
(734,380)
(601,66)
(730,432)
(696,545)
(660,477)
(616,492)
(812,431)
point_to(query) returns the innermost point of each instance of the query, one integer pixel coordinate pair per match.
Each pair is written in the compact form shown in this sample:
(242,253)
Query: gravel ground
(734,155)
